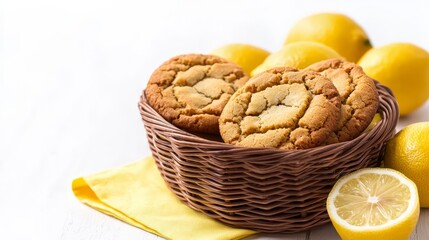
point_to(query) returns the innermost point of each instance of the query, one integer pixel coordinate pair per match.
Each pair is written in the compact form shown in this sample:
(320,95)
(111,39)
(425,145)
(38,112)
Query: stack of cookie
(328,102)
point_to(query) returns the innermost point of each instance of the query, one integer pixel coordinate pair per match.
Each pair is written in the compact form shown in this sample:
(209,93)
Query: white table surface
(72,73)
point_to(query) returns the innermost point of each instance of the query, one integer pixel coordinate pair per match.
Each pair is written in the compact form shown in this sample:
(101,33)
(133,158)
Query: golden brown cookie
(359,97)
(282,108)
(191,90)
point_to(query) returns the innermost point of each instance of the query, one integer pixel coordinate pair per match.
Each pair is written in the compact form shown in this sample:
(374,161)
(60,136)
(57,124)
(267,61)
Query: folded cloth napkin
(136,194)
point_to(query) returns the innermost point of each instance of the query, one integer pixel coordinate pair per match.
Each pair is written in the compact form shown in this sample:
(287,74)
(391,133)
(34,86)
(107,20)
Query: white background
(72,73)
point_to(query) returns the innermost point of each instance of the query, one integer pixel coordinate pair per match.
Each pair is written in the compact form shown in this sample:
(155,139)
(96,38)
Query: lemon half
(374,203)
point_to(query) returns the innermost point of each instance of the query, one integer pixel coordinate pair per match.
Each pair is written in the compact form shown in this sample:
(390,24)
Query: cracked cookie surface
(282,108)
(191,90)
(359,97)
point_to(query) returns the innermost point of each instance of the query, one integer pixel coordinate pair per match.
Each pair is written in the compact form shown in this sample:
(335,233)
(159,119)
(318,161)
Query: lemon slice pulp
(374,203)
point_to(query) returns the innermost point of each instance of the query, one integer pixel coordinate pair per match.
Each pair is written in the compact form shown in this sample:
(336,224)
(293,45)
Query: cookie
(359,97)
(190,91)
(282,108)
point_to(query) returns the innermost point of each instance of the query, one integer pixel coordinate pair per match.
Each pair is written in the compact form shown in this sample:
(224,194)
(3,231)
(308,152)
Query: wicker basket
(263,189)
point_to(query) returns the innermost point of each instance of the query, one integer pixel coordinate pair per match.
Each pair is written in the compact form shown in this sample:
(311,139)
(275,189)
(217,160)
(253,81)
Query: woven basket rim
(201,141)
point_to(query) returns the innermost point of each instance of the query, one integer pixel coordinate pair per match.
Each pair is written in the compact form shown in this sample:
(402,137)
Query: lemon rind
(414,200)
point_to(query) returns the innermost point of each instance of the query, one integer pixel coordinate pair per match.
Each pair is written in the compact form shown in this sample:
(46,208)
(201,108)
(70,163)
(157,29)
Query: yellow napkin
(136,194)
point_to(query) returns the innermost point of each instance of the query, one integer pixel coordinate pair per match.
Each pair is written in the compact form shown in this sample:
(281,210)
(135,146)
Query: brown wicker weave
(263,189)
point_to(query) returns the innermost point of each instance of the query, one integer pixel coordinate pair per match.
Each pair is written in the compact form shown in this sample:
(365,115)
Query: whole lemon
(337,31)
(299,55)
(244,55)
(404,68)
(408,152)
